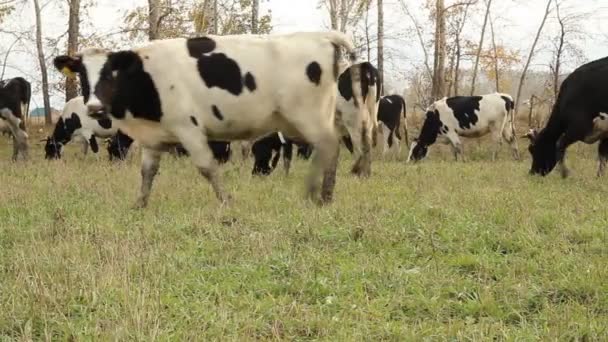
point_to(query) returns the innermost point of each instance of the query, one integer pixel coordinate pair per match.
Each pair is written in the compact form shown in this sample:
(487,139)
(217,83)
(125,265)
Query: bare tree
(381,40)
(495,52)
(419,33)
(158,10)
(438,89)
(42,61)
(255,8)
(71,87)
(530,56)
(479,48)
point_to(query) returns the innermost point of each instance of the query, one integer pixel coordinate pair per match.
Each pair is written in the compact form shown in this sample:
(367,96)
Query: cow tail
(404,117)
(26,115)
(275,160)
(341,39)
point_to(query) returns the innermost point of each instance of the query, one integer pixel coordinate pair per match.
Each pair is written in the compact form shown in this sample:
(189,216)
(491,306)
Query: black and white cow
(226,88)
(277,144)
(15,95)
(76,124)
(467,116)
(356,112)
(392,119)
(580,113)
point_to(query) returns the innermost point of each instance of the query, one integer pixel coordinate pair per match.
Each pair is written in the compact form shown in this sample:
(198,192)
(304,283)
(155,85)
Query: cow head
(98,70)
(418,151)
(52,149)
(544,157)
(431,128)
(118,146)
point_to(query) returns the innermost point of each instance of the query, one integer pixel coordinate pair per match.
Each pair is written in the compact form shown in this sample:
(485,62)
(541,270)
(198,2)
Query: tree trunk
(333,14)
(558,53)
(479,48)
(216,29)
(381,41)
(525,71)
(255,8)
(367,39)
(71,87)
(48,120)
(496,69)
(438,89)
(153,19)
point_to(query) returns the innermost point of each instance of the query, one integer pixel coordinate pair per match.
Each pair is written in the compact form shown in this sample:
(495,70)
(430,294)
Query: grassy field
(434,251)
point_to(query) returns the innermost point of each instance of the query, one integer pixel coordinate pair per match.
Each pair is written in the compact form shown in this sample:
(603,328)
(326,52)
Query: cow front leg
(287,156)
(149,168)
(562,145)
(602,153)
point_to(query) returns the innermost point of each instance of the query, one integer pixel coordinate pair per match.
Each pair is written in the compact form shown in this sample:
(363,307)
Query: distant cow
(277,144)
(119,145)
(580,113)
(467,116)
(15,95)
(356,112)
(76,124)
(228,88)
(392,119)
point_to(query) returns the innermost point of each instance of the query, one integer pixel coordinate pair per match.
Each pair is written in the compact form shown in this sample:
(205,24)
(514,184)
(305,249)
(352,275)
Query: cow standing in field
(357,112)
(468,116)
(580,113)
(15,95)
(193,90)
(76,124)
(392,118)
(277,144)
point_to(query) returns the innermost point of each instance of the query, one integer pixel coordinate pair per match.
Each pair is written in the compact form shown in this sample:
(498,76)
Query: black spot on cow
(313,71)
(218,70)
(464,108)
(345,86)
(369,78)
(172,87)
(428,135)
(131,90)
(217,113)
(193,119)
(250,82)
(146,57)
(199,46)
(509,104)
(105,123)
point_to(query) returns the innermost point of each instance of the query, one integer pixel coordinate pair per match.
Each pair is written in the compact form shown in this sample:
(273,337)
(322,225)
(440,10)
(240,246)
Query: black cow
(15,95)
(263,149)
(579,114)
(392,115)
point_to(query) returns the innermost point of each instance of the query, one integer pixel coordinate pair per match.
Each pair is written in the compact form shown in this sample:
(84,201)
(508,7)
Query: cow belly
(147,133)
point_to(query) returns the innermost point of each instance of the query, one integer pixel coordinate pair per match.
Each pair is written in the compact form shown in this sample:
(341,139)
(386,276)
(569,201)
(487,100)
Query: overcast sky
(516,22)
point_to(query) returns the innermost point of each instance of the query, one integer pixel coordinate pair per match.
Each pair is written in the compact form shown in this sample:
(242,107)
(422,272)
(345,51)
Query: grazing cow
(15,95)
(76,124)
(119,144)
(580,113)
(192,90)
(392,116)
(467,116)
(356,112)
(263,149)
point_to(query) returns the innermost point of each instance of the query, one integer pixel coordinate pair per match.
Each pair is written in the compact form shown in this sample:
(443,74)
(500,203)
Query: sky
(516,22)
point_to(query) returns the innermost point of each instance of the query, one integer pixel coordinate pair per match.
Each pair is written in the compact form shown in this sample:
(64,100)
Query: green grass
(434,251)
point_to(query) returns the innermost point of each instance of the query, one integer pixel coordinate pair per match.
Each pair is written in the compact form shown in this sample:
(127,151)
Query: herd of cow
(197,96)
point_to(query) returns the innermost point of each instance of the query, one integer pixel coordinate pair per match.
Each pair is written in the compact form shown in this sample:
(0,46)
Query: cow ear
(93,143)
(68,65)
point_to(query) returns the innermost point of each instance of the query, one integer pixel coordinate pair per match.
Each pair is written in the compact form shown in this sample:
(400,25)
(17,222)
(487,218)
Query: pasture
(436,251)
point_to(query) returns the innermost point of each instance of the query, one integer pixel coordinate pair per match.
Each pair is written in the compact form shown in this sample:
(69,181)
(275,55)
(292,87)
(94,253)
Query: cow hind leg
(149,168)
(602,153)
(287,156)
(195,143)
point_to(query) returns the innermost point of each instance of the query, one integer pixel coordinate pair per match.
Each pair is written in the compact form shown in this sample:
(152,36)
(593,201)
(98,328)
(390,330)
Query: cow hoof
(139,204)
